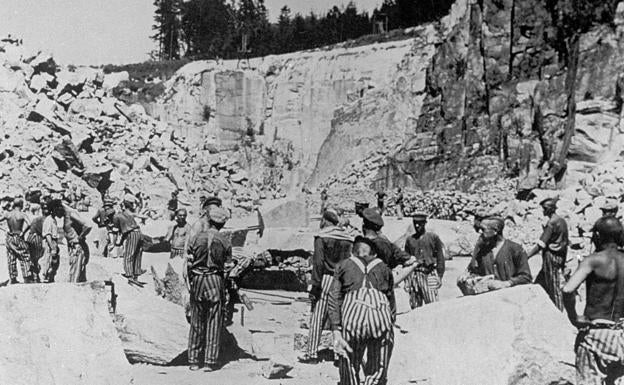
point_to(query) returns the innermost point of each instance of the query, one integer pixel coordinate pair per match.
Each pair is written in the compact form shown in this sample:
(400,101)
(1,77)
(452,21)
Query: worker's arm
(523,271)
(97,219)
(341,347)
(400,257)
(439,256)
(543,241)
(171,232)
(584,269)
(317,270)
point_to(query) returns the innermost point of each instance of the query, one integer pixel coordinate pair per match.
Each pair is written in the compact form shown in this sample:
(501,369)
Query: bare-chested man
(17,248)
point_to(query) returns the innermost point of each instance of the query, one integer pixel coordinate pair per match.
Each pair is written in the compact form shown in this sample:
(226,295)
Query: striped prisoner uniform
(132,241)
(35,244)
(554,245)
(207,251)
(17,250)
(331,246)
(77,247)
(349,278)
(422,285)
(600,351)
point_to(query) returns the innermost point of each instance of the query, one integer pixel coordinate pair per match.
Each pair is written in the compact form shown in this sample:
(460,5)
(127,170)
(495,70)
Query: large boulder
(285,213)
(59,334)
(513,336)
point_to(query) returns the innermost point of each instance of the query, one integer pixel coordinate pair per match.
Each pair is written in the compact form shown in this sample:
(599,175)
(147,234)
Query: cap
(549,203)
(419,217)
(218,215)
(331,216)
(610,205)
(213,200)
(368,241)
(495,223)
(372,216)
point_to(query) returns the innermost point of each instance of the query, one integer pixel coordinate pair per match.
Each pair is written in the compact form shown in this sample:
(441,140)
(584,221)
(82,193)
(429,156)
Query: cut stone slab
(59,334)
(512,336)
(285,213)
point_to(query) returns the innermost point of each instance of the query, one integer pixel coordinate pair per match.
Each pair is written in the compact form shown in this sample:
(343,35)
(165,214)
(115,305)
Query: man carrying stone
(362,310)
(128,234)
(76,231)
(388,252)
(177,234)
(554,246)
(424,282)
(600,343)
(500,258)
(331,246)
(49,231)
(208,251)
(16,246)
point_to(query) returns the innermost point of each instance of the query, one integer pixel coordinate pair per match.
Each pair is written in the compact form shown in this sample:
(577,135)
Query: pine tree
(167,26)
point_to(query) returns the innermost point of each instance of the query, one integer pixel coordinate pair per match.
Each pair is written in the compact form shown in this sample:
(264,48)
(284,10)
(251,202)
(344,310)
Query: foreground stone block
(513,336)
(284,213)
(59,334)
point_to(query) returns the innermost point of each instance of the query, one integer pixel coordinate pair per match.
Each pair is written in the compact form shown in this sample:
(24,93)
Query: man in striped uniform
(600,343)
(367,328)
(35,242)
(331,246)
(178,234)
(207,252)
(49,232)
(388,252)
(76,231)
(424,282)
(17,249)
(554,246)
(101,219)
(128,234)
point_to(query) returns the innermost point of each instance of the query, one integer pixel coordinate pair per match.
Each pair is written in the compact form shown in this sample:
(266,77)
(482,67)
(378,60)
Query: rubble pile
(63,131)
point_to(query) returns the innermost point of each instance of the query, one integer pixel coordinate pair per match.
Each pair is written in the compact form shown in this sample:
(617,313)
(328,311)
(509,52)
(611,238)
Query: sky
(108,31)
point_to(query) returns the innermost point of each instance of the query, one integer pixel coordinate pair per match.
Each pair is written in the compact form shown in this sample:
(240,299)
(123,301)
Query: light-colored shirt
(50,227)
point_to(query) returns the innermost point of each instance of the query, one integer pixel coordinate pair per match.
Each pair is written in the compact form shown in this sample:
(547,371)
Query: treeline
(210,29)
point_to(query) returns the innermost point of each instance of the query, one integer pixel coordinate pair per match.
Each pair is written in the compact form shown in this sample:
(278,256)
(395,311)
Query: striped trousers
(422,288)
(133,253)
(206,302)
(17,250)
(319,315)
(78,259)
(35,248)
(50,261)
(378,353)
(551,277)
(176,253)
(600,357)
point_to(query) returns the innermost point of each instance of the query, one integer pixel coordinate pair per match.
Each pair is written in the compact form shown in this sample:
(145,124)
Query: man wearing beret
(554,246)
(331,246)
(362,311)
(501,258)
(387,251)
(128,234)
(208,251)
(424,282)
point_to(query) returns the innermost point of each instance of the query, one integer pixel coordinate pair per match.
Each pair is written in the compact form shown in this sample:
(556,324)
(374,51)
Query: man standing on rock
(49,231)
(424,282)
(500,258)
(101,219)
(600,343)
(331,246)
(388,252)
(172,205)
(400,202)
(208,251)
(554,246)
(76,231)
(17,249)
(177,234)
(362,310)
(381,200)
(128,234)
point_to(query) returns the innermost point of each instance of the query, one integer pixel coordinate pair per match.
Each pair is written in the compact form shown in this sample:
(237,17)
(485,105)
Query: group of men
(33,242)
(352,286)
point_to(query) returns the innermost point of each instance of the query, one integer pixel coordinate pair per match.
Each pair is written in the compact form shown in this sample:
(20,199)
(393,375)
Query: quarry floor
(278,314)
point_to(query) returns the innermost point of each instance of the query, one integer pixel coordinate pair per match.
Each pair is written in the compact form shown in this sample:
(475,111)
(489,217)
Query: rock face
(513,336)
(59,334)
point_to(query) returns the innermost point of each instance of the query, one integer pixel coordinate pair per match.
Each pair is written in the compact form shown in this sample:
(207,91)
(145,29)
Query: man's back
(605,286)
(15,221)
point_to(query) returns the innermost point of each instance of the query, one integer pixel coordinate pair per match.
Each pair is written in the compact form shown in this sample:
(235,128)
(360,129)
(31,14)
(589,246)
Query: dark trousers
(378,353)
(207,298)
(35,247)
(133,253)
(551,277)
